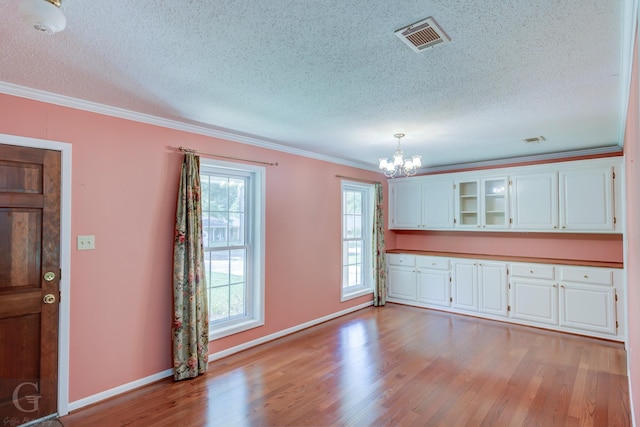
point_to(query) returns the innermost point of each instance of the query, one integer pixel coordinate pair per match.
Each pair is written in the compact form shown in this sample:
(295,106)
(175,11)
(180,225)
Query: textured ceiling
(330,77)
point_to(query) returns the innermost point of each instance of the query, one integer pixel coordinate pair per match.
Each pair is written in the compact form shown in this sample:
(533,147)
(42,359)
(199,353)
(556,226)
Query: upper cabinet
(579,197)
(586,199)
(534,201)
(482,203)
(421,204)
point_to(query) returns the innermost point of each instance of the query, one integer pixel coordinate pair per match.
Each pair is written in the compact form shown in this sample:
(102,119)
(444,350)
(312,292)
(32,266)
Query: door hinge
(449,279)
(508,308)
(509,285)
(615,220)
(450,299)
(614,174)
(507,275)
(616,324)
(510,220)
(510,183)
(616,295)
(455,220)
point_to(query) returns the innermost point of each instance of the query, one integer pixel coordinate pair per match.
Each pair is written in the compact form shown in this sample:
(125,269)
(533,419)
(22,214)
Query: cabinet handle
(433,263)
(564,226)
(555,226)
(586,277)
(531,271)
(555,286)
(562,286)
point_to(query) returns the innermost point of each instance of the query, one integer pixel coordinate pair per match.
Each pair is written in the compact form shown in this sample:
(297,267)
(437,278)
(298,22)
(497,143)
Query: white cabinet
(434,285)
(482,203)
(405,206)
(534,201)
(492,288)
(465,285)
(401,277)
(586,199)
(578,197)
(423,203)
(587,299)
(480,286)
(583,300)
(437,204)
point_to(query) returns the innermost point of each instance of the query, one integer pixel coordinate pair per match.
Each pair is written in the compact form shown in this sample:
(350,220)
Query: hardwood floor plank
(392,366)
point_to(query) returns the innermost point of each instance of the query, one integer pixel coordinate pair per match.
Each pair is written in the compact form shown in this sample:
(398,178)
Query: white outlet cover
(86,243)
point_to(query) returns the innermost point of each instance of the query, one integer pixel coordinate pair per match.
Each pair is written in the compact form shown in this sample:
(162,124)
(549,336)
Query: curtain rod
(189,150)
(358,179)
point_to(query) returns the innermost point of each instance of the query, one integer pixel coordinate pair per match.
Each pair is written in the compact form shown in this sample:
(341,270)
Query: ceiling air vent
(423,35)
(534,140)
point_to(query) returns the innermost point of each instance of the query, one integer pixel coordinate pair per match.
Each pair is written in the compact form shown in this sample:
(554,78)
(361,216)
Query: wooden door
(29,282)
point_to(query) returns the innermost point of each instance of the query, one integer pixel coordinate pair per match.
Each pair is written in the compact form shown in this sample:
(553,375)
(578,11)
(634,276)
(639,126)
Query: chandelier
(399,165)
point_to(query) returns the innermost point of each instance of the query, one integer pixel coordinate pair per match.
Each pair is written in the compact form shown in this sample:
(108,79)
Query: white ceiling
(330,77)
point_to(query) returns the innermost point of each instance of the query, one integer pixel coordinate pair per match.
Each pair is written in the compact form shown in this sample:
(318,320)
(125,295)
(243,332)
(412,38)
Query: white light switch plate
(86,243)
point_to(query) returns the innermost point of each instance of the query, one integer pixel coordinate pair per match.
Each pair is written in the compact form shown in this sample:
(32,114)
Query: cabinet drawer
(533,271)
(434,263)
(401,259)
(594,276)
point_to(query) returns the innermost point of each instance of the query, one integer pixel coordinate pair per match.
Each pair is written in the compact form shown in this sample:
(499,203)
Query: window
(233,235)
(357,236)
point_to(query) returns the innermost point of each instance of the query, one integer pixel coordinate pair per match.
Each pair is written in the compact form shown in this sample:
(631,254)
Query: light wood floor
(393,366)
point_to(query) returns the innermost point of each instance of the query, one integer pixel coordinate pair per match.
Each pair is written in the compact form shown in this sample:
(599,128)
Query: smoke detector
(423,34)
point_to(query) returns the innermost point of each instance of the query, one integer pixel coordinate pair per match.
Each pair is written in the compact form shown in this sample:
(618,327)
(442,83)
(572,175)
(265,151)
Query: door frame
(65,256)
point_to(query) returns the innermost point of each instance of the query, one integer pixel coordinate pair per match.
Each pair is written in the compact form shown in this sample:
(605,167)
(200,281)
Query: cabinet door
(465,285)
(405,209)
(586,199)
(591,308)
(468,204)
(434,287)
(401,283)
(535,201)
(492,288)
(535,301)
(437,204)
(495,206)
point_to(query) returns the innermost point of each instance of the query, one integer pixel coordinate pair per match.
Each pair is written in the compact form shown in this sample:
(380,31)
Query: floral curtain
(379,261)
(190,330)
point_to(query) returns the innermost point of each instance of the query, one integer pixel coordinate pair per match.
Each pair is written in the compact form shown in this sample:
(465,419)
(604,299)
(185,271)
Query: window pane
(236,300)
(219,268)
(219,303)
(237,266)
(236,229)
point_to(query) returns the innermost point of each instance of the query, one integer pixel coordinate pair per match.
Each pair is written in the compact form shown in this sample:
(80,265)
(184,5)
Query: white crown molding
(629,28)
(227,134)
(599,151)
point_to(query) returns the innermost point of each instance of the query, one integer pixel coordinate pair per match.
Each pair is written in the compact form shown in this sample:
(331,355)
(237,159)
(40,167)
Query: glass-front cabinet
(483,203)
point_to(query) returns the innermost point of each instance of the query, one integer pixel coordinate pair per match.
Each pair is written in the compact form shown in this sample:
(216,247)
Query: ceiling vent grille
(423,35)
(534,140)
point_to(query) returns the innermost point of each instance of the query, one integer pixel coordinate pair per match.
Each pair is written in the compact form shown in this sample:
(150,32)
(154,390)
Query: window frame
(255,235)
(368,207)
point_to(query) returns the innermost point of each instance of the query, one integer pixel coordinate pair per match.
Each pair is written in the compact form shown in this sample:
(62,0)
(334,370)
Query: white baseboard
(280,334)
(215,356)
(119,390)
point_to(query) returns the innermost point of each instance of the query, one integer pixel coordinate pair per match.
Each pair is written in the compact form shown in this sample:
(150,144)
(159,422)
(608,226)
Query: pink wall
(124,183)
(632,152)
(585,247)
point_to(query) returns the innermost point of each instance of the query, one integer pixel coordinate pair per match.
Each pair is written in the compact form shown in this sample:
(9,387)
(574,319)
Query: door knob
(49,299)
(49,276)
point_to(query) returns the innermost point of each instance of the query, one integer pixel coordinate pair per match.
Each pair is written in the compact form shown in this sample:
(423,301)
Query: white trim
(247,345)
(212,131)
(65,256)
(524,159)
(119,390)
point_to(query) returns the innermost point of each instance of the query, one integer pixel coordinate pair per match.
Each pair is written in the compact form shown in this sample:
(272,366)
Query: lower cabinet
(581,300)
(433,281)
